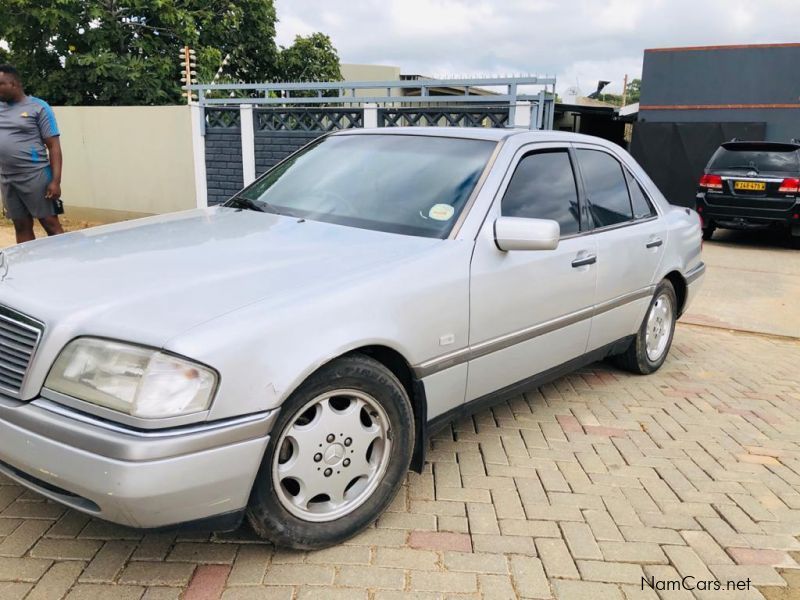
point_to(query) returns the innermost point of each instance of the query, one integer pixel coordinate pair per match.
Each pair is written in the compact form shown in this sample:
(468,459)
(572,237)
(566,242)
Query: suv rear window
(751,157)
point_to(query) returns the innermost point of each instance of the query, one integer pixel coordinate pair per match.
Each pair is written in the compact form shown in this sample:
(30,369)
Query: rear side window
(543,187)
(749,158)
(642,208)
(605,187)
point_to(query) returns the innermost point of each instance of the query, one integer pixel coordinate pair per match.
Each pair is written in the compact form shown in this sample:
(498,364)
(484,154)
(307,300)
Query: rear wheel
(339,452)
(708,232)
(649,349)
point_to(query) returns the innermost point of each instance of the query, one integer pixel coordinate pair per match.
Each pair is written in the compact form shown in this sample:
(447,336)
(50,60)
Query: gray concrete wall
(724,84)
(273,146)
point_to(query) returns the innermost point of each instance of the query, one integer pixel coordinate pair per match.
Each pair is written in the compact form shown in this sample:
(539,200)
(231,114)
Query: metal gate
(244,129)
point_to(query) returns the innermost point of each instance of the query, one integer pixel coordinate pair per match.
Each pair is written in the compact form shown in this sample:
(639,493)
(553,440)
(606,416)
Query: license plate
(756,186)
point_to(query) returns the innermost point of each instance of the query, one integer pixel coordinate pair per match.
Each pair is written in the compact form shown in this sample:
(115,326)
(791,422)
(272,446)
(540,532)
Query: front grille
(19,337)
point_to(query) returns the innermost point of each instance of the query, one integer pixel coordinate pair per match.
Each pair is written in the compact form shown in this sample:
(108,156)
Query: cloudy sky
(579,41)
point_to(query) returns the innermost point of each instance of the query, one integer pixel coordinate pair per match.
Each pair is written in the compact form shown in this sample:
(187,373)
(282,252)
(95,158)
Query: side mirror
(515,233)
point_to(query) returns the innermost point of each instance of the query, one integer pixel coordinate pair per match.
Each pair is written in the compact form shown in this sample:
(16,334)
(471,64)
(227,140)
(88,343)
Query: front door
(531,310)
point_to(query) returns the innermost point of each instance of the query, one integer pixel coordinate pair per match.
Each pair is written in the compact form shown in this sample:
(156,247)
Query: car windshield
(756,160)
(407,184)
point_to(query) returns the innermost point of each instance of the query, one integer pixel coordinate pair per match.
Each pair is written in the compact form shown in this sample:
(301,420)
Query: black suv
(751,185)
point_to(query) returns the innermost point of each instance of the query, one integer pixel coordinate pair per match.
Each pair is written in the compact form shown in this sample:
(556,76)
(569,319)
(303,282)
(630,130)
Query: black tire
(271,520)
(635,358)
(708,232)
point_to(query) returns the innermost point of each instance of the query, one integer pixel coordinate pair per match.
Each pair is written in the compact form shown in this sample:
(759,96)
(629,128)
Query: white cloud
(582,40)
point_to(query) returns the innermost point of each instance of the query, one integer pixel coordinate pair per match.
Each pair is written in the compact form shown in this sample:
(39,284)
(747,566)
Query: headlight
(130,379)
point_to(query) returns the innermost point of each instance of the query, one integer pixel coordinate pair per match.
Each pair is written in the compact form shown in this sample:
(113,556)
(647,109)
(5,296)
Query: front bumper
(134,478)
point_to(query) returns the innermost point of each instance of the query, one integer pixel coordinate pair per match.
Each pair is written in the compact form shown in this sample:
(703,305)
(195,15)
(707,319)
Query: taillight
(712,182)
(790,186)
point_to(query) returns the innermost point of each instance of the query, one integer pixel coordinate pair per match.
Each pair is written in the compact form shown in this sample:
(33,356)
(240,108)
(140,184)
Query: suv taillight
(712,182)
(790,186)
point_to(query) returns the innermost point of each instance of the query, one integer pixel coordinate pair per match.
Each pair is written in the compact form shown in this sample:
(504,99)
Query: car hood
(150,279)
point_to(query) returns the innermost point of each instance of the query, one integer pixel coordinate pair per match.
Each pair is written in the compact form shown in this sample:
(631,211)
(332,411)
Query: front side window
(406,184)
(605,187)
(543,187)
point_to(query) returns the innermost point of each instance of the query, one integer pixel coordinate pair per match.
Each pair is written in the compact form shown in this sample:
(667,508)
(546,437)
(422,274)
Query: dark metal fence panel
(307,119)
(675,154)
(446,116)
(223,142)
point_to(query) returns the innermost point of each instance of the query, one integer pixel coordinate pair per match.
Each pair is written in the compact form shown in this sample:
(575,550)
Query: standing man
(30,177)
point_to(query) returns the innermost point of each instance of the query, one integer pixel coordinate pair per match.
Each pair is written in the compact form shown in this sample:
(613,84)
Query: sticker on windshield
(441,212)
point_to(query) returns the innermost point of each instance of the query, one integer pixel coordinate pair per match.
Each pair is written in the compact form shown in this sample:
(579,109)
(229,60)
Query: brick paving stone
(207,583)
(57,581)
(475,563)
(529,578)
(556,558)
(407,558)
(23,569)
(581,542)
(757,574)
(324,593)
(751,556)
(706,548)
(250,565)
(156,573)
(504,544)
(154,546)
(202,553)
(340,555)
(666,582)
(610,572)
(530,528)
(371,577)
(635,552)
(440,541)
(299,574)
(443,582)
(571,590)
(59,549)
(83,591)
(23,537)
(259,593)
(162,593)
(453,524)
(108,562)
(14,591)
(603,526)
(69,525)
(408,521)
(496,587)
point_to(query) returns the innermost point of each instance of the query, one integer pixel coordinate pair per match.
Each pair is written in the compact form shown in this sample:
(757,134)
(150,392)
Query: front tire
(339,452)
(650,347)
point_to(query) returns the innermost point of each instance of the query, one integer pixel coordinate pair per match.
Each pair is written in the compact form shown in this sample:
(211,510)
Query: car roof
(478,133)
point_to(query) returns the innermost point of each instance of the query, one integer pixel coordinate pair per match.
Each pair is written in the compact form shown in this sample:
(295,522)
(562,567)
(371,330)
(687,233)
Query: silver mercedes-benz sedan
(287,355)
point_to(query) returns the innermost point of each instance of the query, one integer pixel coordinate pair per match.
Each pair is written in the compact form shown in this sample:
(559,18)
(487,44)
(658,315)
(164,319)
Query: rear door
(630,238)
(531,310)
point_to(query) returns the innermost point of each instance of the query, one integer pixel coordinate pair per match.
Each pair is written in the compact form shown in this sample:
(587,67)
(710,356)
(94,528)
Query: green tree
(311,58)
(634,91)
(117,52)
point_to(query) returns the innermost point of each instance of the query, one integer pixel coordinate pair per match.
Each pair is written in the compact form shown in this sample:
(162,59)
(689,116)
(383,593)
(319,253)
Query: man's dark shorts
(23,195)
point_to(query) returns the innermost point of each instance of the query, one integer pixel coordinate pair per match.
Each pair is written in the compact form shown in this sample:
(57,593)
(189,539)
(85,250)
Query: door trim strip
(507,340)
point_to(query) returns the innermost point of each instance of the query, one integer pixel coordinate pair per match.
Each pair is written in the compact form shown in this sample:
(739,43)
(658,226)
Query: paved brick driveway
(575,491)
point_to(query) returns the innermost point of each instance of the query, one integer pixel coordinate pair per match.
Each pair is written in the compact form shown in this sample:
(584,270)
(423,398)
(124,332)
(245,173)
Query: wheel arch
(678,282)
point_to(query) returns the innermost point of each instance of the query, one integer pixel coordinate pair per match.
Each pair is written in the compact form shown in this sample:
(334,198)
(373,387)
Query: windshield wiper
(260,206)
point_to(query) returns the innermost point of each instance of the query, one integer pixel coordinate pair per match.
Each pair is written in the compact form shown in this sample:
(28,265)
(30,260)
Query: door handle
(654,243)
(589,259)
